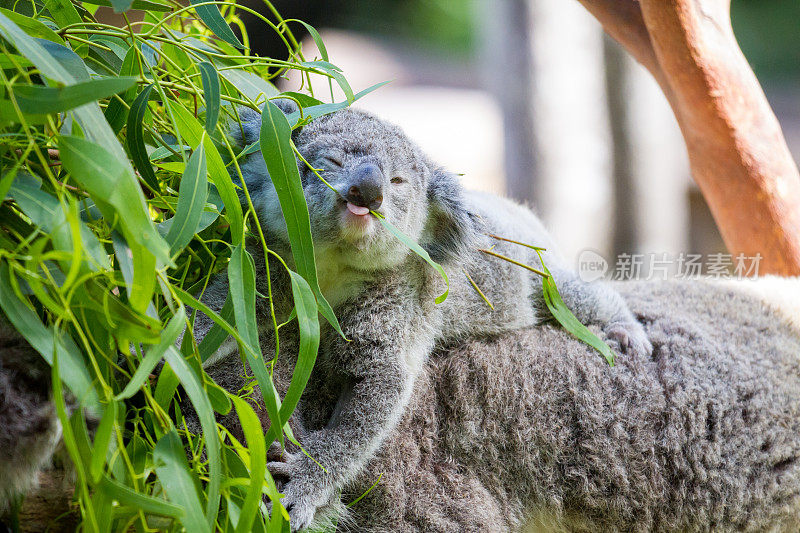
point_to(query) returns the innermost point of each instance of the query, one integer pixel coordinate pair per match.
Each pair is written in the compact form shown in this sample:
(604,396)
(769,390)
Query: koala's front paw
(304,487)
(628,338)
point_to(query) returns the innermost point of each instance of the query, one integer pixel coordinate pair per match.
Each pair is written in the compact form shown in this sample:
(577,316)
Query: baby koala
(383,293)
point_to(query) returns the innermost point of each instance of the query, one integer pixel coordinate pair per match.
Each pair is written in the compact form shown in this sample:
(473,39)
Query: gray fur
(29,428)
(530,431)
(384,294)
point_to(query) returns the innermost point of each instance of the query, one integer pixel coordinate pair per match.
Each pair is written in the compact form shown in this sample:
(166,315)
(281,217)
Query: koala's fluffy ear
(254,170)
(251,122)
(451,229)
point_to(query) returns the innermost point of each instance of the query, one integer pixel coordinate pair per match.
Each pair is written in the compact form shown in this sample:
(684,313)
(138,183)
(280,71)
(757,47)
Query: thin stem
(512,261)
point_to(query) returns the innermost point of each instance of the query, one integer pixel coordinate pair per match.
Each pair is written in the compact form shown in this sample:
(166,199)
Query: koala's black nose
(365,187)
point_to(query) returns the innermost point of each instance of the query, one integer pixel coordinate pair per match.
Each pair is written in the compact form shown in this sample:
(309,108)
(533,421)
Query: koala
(384,295)
(528,431)
(29,427)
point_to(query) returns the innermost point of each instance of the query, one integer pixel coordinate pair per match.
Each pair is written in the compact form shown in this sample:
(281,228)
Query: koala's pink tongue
(357,209)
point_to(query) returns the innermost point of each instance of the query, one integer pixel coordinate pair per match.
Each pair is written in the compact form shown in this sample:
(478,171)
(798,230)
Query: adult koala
(384,294)
(530,431)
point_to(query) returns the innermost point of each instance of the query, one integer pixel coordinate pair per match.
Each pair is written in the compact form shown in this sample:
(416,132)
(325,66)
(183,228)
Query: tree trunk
(737,152)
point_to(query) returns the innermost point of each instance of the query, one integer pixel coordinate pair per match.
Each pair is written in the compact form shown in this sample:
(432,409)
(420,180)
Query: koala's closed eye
(398,179)
(332,161)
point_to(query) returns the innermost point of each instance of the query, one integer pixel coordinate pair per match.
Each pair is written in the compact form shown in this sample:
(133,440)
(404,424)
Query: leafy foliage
(119,205)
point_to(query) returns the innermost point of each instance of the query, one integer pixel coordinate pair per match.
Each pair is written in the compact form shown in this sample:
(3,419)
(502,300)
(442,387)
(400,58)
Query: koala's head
(370,165)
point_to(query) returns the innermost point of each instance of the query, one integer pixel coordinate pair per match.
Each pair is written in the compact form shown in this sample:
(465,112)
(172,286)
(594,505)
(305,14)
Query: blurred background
(528,98)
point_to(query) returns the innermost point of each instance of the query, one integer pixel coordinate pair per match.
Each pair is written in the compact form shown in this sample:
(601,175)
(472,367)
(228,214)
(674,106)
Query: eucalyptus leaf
(567,319)
(213,19)
(117,110)
(102,439)
(112,183)
(45,210)
(154,355)
(251,427)
(148,504)
(63,12)
(276,148)
(178,482)
(308,321)
(89,115)
(136,138)
(317,39)
(211,93)
(146,5)
(32,27)
(252,86)
(194,134)
(41,99)
(201,404)
(419,250)
(191,200)
(242,283)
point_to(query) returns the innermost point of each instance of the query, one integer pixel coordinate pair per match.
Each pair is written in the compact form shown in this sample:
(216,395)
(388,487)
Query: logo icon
(591,265)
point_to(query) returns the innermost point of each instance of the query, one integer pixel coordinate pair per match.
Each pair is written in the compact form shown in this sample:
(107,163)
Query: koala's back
(513,291)
(507,218)
(532,430)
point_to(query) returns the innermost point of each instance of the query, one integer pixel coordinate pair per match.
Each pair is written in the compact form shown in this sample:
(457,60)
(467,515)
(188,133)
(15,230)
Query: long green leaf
(250,85)
(317,39)
(567,319)
(136,138)
(276,148)
(121,6)
(32,27)
(308,321)
(144,278)
(211,93)
(336,73)
(110,182)
(419,250)
(71,62)
(242,283)
(191,301)
(194,134)
(315,111)
(41,99)
(89,115)
(194,389)
(126,496)
(253,432)
(117,113)
(213,19)
(30,48)
(191,200)
(145,5)
(102,439)
(177,479)
(46,212)
(63,12)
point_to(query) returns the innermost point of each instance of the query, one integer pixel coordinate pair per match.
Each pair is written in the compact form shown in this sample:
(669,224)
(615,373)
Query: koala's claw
(302,492)
(629,338)
(275,452)
(279,468)
(301,512)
